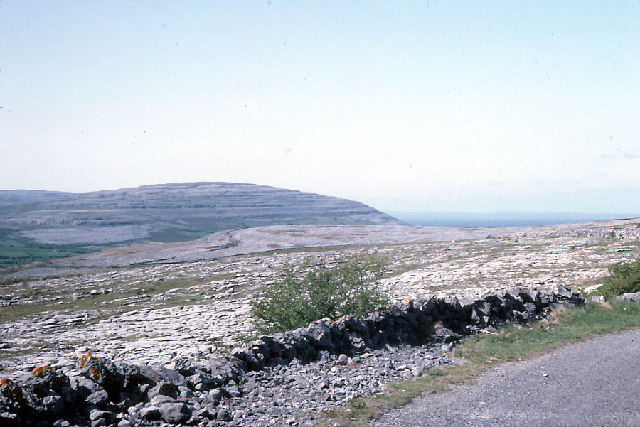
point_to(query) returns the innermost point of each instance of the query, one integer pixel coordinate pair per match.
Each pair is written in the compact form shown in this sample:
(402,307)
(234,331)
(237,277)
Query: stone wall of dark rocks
(103,392)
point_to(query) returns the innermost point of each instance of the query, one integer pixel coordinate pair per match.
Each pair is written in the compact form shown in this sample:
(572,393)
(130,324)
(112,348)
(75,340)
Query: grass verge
(478,353)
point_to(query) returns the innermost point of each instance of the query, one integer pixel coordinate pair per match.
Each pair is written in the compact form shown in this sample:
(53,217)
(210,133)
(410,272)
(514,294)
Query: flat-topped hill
(164,213)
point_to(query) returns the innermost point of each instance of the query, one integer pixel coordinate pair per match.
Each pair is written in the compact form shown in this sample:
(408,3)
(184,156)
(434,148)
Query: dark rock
(9,410)
(163,388)
(225,370)
(103,372)
(224,415)
(202,381)
(135,375)
(70,396)
(99,399)
(166,375)
(83,387)
(42,392)
(184,393)
(320,332)
(215,395)
(150,413)
(546,298)
(184,366)
(253,361)
(233,391)
(101,418)
(249,386)
(174,412)
(49,407)
(563,292)
(208,413)
(275,348)
(447,335)
(10,390)
(160,399)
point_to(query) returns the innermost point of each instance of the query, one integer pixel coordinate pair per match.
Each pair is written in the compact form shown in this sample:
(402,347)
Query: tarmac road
(591,383)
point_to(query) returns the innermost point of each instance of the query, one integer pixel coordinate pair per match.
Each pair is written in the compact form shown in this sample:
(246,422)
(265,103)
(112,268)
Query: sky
(470,106)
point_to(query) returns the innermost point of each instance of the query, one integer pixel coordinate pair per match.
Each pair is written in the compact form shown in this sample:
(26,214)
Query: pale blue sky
(418,106)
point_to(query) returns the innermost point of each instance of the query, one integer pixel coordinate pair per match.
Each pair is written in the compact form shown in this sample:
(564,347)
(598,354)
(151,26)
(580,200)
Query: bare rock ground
(259,239)
(194,299)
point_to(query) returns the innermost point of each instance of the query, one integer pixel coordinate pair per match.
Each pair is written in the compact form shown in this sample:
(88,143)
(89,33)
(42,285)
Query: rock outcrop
(104,392)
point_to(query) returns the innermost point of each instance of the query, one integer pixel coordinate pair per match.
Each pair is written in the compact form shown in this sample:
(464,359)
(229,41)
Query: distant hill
(77,223)
(17,197)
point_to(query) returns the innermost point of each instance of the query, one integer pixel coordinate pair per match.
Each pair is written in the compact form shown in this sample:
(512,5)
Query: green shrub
(624,277)
(307,293)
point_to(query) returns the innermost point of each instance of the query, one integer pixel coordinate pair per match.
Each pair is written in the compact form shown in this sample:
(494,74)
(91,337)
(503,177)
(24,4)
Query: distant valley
(40,225)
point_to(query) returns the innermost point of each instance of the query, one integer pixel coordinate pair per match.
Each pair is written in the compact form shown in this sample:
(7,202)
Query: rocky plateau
(155,304)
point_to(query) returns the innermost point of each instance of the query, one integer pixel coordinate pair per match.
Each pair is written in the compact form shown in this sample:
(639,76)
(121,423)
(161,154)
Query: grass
(16,250)
(479,353)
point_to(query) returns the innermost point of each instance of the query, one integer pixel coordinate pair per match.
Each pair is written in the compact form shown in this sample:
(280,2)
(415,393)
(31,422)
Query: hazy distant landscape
(233,218)
(502,219)
(40,225)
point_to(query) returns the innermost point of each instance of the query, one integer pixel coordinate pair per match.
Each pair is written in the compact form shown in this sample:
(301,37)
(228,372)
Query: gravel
(299,393)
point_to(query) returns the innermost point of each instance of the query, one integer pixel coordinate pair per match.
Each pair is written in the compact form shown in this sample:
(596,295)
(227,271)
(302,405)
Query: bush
(309,293)
(624,277)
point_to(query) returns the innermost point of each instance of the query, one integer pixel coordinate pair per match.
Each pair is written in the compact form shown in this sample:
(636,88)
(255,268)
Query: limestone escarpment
(171,212)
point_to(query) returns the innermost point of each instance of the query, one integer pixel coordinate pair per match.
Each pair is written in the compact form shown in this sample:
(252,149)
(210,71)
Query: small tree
(624,277)
(309,293)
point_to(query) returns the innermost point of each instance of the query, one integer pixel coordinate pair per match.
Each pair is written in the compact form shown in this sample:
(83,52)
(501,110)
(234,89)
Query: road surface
(591,383)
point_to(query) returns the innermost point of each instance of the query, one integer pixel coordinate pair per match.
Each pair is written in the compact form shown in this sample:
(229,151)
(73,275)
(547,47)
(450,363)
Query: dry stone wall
(198,392)
(408,322)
